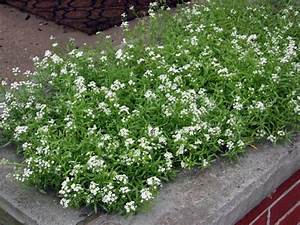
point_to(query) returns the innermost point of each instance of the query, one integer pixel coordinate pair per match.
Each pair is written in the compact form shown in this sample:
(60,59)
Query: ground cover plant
(106,127)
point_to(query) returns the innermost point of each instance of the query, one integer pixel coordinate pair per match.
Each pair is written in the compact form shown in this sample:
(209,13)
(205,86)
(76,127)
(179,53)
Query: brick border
(282,207)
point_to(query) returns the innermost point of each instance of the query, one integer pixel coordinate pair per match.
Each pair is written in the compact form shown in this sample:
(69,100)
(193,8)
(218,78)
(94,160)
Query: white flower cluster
(19,130)
(146,194)
(95,164)
(130,206)
(106,127)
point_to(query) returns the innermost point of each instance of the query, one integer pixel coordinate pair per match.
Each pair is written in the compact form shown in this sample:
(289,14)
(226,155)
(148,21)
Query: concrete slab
(216,196)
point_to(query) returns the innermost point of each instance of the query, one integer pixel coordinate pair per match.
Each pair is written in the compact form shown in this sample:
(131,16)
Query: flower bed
(106,127)
(86,15)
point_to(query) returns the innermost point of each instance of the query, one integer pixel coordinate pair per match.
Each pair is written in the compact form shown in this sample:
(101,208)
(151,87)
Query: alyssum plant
(106,127)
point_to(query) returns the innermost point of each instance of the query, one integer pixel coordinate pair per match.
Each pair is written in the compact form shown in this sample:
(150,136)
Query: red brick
(81,3)
(113,12)
(284,204)
(46,4)
(262,220)
(293,218)
(285,185)
(264,204)
(45,14)
(96,14)
(77,14)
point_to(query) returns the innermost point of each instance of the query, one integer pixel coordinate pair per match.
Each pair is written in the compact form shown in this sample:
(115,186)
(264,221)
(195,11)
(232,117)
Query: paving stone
(80,14)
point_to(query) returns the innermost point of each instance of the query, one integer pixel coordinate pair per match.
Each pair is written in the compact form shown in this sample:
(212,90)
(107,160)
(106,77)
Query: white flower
(117,85)
(150,95)
(281,133)
(124,132)
(194,40)
(42,150)
(131,82)
(26,146)
(65,202)
(109,198)
(130,206)
(20,130)
(275,77)
(124,25)
(56,59)
(228,133)
(261,133)
(27,172)
(80,86)
(290,51)
(123,108)
(141,60)
(183,164)
(76,169)
(91,130)
(263,61)
(3,82)
(35,59)
(119,53)
(181,150)
(146,194)
(230,145)
(123,15)
(252,38)
(237,104)
(79,54)
(153,181)
(258,105)
(48,53)
(76,187)
(272,138)
(95,163)
(153,131)
(122,178)
(104,108)
(128,142)
(94,188)
(124,190)
(168,155)
(205,163)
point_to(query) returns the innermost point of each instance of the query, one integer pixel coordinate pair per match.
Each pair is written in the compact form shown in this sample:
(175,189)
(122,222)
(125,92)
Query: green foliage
(106,127)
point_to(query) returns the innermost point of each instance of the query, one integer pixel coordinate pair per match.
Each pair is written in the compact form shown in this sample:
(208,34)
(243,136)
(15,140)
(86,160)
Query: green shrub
(105,127)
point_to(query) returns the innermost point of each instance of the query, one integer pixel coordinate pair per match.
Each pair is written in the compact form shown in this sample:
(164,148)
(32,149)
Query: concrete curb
(220,195)
(26,205)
